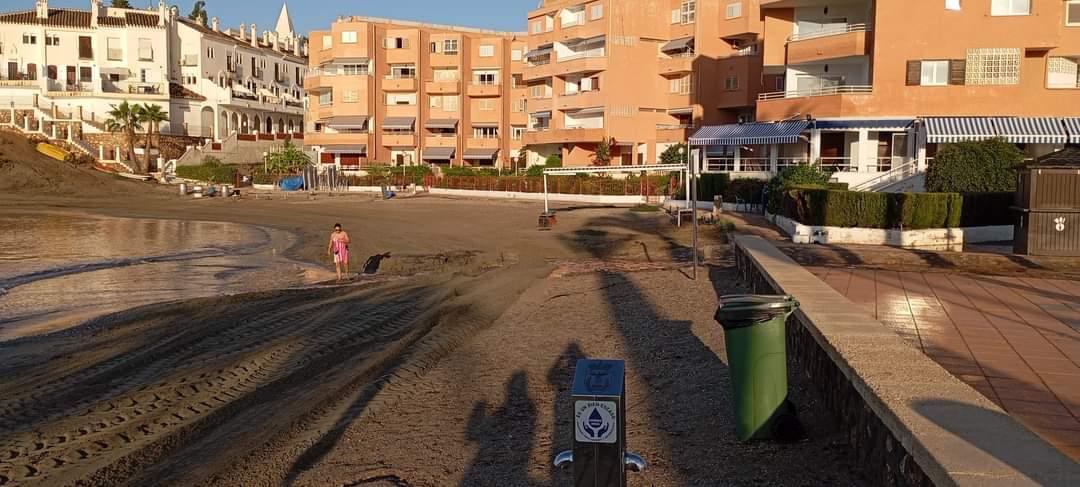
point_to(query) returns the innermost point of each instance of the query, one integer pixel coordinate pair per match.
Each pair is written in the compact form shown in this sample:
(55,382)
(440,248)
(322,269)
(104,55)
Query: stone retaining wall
(909,422)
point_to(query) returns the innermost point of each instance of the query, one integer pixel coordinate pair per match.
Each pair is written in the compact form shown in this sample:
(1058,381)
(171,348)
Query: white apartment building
(212,82)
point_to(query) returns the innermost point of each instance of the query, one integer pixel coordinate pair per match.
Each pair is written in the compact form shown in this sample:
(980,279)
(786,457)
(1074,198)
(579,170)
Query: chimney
(243,31)
(273,41)
(161,13)
(296,46)
(95,12)
(43,9)
(215,23)
(266,37)
(254,35)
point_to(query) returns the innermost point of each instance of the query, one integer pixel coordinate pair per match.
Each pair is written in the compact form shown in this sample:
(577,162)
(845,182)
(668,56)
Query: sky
(309,15)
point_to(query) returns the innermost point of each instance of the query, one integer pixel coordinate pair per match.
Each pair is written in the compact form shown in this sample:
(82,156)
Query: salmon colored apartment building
(407,93)
(867,88)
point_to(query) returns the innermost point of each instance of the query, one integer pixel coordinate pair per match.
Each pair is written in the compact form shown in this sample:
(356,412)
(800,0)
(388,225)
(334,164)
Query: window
(451,103)
(485,78)
(446,75)
(52,40)
(1010,7)
(733,10)
(993,66)
(146,50)
(518,80)
(450,46)
(520,105)
(85,74)
(487,105)
(115,49)
(731,83)
(517,131)
(597,11)
(327,42)
(402,71)
(396,43)
(435,101)
(326,98)
(86,48)
(952,5)
(350,96)
(536,26)
(1072,13)
(934,73)
(687,12)
(487,50)
(401,98)
(541,91)
(485,132)
(1062,72)
(29,39)
(354,69)
(681,86)
(348,37)
(515,55)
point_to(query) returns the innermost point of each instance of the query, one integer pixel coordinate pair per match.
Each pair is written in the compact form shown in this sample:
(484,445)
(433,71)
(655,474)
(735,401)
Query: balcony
(535,71)
(832,101)
(482,143)
(401,110)
(442,87)
(445,60)
(589,61)
(832,43)
(580,30)
(581,99)
(448,140)
(321,138)
(563,136)
(682,63)
(540,104)
(402,56)
(484,89)
(399,84)
(673,133)
(679,100)
(398,140)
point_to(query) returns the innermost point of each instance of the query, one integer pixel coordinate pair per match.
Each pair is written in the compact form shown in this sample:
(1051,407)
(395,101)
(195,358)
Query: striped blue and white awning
(941,130)
(1072,126)
(856,124)
(1031,130)
(750,133)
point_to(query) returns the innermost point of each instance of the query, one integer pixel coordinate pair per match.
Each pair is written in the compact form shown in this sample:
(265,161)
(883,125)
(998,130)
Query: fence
(636,186)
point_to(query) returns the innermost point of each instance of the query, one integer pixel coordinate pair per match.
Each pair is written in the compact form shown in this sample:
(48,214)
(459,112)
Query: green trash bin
(754,335)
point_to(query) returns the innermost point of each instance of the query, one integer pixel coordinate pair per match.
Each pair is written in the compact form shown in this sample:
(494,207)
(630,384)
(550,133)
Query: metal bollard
(599,456)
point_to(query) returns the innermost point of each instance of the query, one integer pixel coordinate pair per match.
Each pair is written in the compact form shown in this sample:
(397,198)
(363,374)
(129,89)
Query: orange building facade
(404,93)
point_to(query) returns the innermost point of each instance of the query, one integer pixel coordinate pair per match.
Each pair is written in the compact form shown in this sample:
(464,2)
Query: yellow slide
(52,151)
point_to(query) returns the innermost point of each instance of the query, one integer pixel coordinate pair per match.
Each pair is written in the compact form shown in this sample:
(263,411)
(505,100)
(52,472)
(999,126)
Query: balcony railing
(673,126)
(538,61)
(591,53)
(831,31)
(823,91)
(401,76)
(838,164)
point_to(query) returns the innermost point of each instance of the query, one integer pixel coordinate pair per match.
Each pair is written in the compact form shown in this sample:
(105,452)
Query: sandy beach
(449,367)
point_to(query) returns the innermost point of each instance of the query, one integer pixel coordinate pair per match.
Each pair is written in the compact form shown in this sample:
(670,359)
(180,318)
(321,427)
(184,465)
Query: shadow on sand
(506,438)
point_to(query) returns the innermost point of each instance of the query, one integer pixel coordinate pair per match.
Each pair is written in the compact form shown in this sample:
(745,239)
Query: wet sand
(450,370)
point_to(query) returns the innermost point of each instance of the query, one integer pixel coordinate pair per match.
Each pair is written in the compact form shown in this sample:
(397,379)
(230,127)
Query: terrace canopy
(750,133)
(438,153)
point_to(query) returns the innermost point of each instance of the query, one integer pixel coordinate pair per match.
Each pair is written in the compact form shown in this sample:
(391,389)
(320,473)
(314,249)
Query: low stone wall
(574,198)
(170,146)
(932,238)
(909,422)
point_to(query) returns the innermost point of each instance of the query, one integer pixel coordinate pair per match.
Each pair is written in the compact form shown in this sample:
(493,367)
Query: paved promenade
(1015,340)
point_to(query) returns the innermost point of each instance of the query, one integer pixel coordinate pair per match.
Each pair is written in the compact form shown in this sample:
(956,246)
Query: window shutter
(914,73)
(675,16)
(957,71)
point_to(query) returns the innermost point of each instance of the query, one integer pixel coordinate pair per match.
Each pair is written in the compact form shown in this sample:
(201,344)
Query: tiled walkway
(1015,340)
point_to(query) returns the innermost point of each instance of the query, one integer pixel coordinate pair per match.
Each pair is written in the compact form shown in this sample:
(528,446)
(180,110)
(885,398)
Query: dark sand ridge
(333,385)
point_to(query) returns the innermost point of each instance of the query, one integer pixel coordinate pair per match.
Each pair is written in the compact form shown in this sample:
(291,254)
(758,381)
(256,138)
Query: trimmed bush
(552,161)
(824,207)
(211,171)
(801,175)
(985,209)
(974,167)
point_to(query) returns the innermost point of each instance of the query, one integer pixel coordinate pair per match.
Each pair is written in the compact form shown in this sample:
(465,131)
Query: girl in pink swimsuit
(339,248)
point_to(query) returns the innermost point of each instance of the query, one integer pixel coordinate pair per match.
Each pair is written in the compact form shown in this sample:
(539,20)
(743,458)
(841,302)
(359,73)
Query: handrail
(904,170)
(830,32)
(826,91)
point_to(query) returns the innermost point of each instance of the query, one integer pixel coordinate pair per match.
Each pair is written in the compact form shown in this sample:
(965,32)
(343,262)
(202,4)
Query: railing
(832,31)
(682,55)
(591,53)
(315,72)
(675,126)
(577,19)
(538,61)
(786,162)
(401,76)
(838,164)
(478,82)
(898,173)
(824,91)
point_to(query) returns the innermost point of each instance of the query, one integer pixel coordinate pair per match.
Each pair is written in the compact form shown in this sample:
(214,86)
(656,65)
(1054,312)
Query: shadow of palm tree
(561,377)
(506,438)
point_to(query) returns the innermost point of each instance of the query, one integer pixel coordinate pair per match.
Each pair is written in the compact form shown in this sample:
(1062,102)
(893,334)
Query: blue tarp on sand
(292,184)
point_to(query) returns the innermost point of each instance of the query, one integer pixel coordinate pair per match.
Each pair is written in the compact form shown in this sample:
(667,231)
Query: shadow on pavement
(506,438)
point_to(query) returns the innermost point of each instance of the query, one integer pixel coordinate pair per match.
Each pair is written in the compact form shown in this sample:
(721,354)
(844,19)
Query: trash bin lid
(742,310)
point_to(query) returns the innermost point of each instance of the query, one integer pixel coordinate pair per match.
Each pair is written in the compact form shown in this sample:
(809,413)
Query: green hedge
(834,208)
(985,209)
(748,190)
(210,172)
(971,167)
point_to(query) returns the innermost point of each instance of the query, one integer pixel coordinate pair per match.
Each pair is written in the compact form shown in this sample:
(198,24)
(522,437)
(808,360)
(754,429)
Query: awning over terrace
(438,153)
(750,133)
(346,149)
(441,123)
(399,123)
(883,124)
(1072,126)
(1033,130)
(480,154)
(940,130)
(349,122)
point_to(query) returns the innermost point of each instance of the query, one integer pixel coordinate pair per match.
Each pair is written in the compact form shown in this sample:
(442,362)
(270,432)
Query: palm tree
(602,156)
(289,160)
(125,119)
(152,116)
(198,13)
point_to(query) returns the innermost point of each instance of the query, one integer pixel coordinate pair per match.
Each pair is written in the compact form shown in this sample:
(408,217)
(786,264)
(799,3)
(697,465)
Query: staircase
(904,178)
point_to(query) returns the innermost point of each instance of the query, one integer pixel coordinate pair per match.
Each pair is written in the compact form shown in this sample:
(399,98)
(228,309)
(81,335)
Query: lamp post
(694,212)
